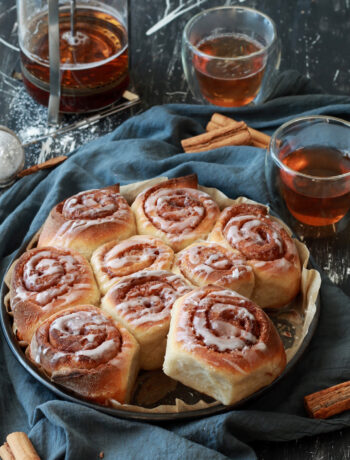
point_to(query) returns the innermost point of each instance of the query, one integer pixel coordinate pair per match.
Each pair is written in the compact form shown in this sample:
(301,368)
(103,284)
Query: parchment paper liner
(292,322)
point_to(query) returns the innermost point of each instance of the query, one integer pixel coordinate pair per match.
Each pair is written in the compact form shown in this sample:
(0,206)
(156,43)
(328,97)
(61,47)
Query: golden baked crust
(87,220)
(222,344)
(268,249)
(247,251)
(115,259)
(175,211)
(47,280)
(142,302)
(205,263)
(88,352)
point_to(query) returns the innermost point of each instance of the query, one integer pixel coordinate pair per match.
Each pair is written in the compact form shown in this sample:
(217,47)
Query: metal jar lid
(11,156)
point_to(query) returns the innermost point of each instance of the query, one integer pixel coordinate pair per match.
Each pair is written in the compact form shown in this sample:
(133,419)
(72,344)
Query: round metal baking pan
(6,324)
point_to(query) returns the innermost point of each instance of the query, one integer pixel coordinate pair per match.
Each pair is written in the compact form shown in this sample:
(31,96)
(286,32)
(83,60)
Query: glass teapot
(74,52)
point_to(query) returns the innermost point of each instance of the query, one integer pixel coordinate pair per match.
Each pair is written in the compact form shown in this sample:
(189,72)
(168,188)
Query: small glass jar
(11,156)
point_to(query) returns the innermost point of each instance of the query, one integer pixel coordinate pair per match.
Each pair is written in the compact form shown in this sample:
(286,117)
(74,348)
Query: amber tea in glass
(308,164)
(229,83)
(93,61)
(229,55)
(311,202)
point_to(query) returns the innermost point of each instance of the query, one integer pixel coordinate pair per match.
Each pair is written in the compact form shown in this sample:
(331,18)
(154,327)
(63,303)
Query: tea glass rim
(272,149)
(236,58)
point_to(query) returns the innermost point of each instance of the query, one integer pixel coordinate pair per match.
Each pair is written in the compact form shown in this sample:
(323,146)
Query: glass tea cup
(307,169)
(93,47)
(230,55)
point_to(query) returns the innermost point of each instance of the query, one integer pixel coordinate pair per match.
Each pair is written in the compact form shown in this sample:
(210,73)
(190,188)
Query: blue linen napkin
(143,147)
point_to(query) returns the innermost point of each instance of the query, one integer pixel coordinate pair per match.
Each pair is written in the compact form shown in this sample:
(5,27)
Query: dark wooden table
(315,41)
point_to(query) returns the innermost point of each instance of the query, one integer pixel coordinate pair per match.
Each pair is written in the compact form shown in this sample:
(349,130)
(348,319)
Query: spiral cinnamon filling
(147,297)
(85,338)
(42,275)
(223,321)
(93,204)
(212,261)
(177,211)
(122,259)
(250,230)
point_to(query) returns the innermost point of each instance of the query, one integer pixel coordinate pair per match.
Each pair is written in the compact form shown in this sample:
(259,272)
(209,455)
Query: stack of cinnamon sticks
(222,131)
(18,447)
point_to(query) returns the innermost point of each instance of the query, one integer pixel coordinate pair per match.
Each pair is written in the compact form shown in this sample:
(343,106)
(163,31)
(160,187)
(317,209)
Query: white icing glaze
(50,276)
(176,211)
(279,264)
(152,306)
(205,263)
(210,326)
(236,234)
(99,351)
(90,208)
(89,329)
(262,236)
(141,253)
(90,204)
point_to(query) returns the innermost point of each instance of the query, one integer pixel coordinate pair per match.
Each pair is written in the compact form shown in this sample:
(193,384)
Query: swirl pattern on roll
(87,220)
(84,338)
(222,344)
(115,259)
(223,321)
(249,229)
(86,351)
(143,303)
(205,263)
(45,280)
(145,299)
(267,247)
(176,211)
(94,204)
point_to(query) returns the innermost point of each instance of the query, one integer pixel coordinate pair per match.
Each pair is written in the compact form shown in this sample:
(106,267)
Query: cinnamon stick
(328,402)
(21,447)
(212,125)
(5,452)
(45,165)
(234,134)
(259,139)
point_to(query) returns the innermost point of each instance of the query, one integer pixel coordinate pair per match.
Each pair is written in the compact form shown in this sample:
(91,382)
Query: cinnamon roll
(86,351)
(114,260)
(268,249)
(222,344)
(175,211)
(87,220)
(142,302)
(47,280)
(205,263)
